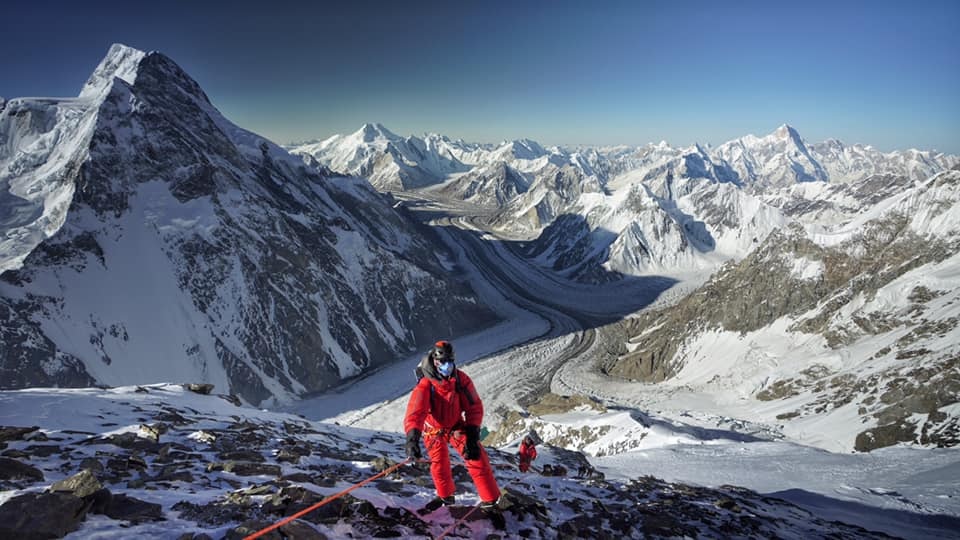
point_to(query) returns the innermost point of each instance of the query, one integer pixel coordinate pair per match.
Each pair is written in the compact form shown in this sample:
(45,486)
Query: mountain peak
(786,131)
(120,62)
(373,131)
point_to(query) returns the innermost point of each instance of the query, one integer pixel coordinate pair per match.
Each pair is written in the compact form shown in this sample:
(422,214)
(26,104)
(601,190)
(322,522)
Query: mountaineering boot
(491,509)
(435,503)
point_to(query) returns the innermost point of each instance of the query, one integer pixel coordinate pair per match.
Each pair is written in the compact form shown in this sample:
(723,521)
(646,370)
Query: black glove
(472,450)
(413,444)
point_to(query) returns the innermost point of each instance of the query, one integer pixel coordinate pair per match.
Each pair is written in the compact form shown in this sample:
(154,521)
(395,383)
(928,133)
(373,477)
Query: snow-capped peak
(786,131)
(120,62)
(372,132)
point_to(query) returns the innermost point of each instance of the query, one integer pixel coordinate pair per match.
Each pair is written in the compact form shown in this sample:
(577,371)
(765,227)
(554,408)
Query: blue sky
(880,73)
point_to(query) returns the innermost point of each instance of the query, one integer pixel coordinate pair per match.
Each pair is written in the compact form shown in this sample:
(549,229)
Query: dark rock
(11,433)
(35,516)
(301,530)
(11,469)
(231,398)
(242,455)
(882,436)
(174,417)
(286,456)
(262,489)
(91,464)
(37,436)
(174,473)
(153,431)
(42,450)
(245,468)
(204,389)
(728,504)
(290,500)
(179,476)
(247,528)
(390,486)
(214,513)
(126,508)
(299,477)
(118,467)
(245,425)
(80,485)
(99,500)
(136,462)
(128,440)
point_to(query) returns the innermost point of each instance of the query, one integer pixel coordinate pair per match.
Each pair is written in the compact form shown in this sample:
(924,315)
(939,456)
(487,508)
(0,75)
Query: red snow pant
(480,470)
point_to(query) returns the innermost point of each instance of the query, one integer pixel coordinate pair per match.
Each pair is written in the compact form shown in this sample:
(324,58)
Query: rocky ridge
(202,467)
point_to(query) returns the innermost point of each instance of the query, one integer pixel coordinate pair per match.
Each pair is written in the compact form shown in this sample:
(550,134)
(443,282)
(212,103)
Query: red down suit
(441,408)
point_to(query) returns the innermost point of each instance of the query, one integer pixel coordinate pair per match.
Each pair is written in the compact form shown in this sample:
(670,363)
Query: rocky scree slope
(151,460)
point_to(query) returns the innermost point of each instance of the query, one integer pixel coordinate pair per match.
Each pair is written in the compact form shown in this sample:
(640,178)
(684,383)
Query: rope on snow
(306,511)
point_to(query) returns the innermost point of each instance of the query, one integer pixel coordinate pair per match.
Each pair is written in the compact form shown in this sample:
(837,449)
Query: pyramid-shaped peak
(120,62)
(373,131)
(786,131)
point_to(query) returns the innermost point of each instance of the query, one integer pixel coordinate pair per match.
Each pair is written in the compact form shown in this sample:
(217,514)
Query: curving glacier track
(555,331)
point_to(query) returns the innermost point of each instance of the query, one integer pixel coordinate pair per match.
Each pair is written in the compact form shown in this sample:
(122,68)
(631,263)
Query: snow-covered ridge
(778,159)
(121,62)
(44,145)
(688,223)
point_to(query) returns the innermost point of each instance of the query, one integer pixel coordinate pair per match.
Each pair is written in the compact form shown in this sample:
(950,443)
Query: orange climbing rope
(306,511)
(457,522)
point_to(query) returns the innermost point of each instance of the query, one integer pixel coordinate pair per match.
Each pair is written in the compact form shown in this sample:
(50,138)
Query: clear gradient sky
(601,72)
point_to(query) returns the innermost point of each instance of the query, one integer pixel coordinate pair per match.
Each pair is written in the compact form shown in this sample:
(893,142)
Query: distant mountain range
(674,212)
(838,262)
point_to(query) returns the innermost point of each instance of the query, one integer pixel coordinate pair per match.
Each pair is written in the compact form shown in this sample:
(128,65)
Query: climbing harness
(306,511)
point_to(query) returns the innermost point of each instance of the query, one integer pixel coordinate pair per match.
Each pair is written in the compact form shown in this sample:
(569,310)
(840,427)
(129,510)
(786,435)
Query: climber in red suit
(445,409)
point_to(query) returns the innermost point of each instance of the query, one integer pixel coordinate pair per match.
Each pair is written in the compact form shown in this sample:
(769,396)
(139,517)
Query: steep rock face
(489,186)
(192,249)
(554,190)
